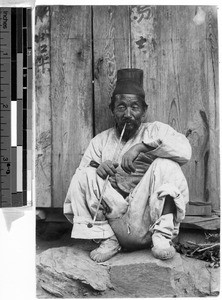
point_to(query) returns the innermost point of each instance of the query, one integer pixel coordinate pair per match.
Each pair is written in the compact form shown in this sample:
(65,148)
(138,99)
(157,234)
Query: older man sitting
(144,200)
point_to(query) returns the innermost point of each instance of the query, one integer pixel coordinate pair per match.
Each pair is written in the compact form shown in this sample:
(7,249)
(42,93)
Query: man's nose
(128,112)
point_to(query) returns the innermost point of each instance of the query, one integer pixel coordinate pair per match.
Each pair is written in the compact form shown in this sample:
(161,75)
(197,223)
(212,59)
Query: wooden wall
(78,52)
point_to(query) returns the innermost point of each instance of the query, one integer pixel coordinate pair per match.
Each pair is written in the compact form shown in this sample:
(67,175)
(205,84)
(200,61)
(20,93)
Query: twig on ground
(212,246)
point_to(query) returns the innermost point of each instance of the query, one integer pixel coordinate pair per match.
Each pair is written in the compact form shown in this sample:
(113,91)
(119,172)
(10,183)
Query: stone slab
(68,272)
(139,274)
(205,280)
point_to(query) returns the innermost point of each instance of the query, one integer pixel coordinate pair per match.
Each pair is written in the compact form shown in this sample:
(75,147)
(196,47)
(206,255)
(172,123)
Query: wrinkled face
(128,109)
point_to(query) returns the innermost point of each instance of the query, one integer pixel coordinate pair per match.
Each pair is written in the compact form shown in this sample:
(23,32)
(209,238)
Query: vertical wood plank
(111,40)
(170,44)
(213,174)
(145,55)
(71,93)
(43,108)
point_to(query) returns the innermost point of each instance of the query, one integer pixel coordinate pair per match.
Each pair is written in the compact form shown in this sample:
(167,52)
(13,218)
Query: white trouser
(134,216)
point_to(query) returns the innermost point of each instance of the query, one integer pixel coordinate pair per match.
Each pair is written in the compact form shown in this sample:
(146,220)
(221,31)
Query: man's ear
(111,110)
(144,112)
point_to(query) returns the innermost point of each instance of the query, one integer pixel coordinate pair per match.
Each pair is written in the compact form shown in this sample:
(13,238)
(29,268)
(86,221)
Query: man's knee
(165,164)
(169,171)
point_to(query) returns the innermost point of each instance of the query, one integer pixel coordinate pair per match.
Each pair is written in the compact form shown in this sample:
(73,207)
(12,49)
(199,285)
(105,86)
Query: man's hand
(129,157)
(107,168)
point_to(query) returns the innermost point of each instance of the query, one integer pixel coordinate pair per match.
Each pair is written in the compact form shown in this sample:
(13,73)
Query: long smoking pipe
(90,225)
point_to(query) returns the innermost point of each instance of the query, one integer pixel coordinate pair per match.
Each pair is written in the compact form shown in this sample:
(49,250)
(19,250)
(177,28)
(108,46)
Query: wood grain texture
(145,54)
(176,46)
(111,33)
(213,174)
(43,108)
(71,93)
(170,44)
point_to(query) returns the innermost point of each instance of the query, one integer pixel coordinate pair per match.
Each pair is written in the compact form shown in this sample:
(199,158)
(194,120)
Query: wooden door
(79,50)
(176,46)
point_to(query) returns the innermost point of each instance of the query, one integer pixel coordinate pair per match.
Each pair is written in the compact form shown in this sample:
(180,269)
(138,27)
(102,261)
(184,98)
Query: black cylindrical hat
(129,81)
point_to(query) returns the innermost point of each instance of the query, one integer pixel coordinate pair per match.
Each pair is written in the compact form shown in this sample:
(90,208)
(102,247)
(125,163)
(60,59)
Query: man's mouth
(130,125)
(128,122)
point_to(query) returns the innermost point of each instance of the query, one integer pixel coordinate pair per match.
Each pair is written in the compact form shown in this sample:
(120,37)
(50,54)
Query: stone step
(69,272)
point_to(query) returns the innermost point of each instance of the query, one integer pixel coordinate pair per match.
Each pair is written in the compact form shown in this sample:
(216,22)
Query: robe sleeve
(93,152)
(168,143)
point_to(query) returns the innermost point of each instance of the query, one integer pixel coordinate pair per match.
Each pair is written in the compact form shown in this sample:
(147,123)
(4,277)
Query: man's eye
(121,108)
(135,107)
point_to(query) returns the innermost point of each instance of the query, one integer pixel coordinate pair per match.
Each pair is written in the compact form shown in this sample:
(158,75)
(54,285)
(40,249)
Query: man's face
(128,109)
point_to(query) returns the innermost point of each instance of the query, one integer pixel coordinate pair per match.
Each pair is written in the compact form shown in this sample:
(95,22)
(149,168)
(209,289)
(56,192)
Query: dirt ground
(57,234)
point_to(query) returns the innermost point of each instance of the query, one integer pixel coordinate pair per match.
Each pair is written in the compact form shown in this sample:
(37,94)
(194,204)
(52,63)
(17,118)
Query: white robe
(154,170)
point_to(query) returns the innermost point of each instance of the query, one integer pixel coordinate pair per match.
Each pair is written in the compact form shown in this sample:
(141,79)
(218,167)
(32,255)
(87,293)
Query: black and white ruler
(15,106)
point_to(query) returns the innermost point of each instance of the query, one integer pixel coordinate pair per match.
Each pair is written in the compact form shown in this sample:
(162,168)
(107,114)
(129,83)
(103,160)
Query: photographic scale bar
(15,106)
